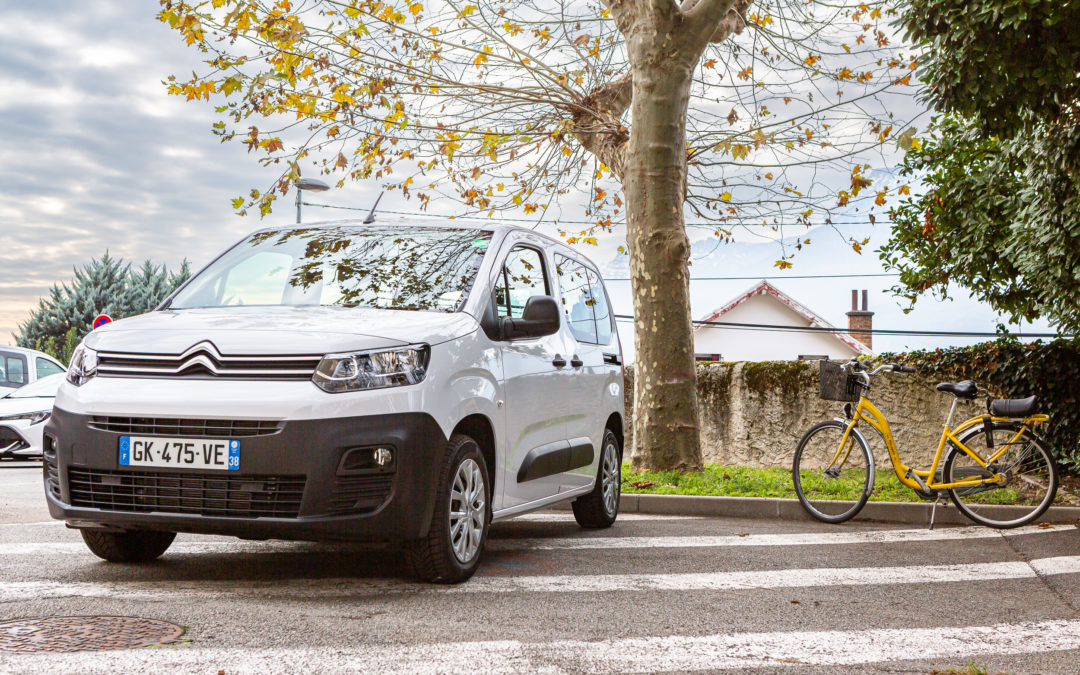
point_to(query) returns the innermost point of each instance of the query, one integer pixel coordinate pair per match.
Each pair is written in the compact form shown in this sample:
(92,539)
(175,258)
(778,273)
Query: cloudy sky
(97,157)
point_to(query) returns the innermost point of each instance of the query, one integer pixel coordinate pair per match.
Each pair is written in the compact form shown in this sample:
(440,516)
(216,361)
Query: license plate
(183,453)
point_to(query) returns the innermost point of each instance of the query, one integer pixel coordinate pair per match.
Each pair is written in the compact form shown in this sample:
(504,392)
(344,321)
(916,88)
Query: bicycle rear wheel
(1030,477)
(832,484)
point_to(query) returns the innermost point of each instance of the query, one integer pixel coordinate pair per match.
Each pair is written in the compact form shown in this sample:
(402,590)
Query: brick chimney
(860,321)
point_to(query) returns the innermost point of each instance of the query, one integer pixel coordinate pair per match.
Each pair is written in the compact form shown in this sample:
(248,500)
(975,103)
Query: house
(764,304)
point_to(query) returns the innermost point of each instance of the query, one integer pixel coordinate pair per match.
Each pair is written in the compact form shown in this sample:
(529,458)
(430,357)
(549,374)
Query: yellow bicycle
(994,467)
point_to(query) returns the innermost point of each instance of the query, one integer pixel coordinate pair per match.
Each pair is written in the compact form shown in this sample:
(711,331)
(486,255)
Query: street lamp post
(310,184)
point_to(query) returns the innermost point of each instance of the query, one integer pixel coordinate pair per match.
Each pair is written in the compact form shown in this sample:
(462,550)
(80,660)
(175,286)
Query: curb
(790,509)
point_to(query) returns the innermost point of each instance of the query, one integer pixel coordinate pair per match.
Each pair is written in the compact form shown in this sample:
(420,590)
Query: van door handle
(613,359)
(576,361)
(558,361)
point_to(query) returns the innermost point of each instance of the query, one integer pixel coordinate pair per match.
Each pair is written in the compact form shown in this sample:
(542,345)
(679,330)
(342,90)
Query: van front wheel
(138,546)
(450,552)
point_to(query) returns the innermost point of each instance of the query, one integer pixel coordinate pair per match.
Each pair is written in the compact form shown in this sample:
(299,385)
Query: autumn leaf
(782,264)
(880,201)
(711,63)
(726,196)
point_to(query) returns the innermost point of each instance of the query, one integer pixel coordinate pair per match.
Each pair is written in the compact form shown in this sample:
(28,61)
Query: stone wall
(755,413)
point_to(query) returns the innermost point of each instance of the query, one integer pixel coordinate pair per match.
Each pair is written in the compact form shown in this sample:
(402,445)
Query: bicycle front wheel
(832,482)
(1029,484)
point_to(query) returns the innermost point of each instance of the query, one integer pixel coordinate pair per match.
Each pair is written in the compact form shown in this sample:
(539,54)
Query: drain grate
(85,633)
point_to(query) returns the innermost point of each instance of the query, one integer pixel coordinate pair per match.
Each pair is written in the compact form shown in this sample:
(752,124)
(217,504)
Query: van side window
(576,298)
(600,308)
(521,278)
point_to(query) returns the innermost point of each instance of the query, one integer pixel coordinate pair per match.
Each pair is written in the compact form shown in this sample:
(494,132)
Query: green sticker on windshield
(480,243)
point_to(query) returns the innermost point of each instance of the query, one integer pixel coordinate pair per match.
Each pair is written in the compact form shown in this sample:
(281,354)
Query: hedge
(1008,368)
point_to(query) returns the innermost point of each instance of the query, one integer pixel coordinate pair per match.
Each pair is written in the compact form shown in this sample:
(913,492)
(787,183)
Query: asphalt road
(653,593)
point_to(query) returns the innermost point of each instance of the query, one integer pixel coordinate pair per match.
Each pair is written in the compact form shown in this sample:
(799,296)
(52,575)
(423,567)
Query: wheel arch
(478,427)
(615,424)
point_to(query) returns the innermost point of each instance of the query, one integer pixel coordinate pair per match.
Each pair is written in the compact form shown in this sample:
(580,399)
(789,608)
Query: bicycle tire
(803,481)
(979,511)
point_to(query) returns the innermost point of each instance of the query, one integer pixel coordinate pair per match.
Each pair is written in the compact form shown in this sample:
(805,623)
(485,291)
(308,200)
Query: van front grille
(187,493)
(204,361)
(360,494)
(182,427)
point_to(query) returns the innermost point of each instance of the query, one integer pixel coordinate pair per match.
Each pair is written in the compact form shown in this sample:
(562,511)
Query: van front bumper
(294,481)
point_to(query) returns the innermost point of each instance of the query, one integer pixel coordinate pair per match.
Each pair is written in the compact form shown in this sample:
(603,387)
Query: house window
(813,357)
(707,358)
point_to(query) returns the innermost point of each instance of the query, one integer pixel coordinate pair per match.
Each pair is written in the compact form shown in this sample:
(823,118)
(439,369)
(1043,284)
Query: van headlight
(372,370)
(83,365)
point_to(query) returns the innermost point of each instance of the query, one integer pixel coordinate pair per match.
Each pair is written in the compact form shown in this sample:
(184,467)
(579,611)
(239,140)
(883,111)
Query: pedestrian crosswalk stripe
(671,653)
(504,544)
(845,537)
(14,591)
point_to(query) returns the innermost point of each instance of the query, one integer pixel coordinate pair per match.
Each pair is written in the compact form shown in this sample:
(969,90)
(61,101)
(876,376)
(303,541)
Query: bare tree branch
(597,122)
(712,21)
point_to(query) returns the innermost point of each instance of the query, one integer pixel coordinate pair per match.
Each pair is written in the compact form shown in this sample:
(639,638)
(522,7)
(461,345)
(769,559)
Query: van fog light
(377,459)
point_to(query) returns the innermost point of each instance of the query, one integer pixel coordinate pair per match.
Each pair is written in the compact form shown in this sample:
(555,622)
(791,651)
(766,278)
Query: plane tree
(764,118)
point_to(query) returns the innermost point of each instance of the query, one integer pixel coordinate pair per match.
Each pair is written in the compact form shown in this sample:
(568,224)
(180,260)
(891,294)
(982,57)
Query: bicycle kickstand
(933,509)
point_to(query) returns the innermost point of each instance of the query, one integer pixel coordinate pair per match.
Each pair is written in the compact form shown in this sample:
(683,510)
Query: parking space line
(638,654)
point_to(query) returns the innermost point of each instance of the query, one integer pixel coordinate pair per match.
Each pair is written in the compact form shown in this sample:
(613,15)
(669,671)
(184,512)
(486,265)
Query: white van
(342,381)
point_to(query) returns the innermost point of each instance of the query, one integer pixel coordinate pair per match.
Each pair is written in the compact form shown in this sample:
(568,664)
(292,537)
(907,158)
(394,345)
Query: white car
(20,366)
(23,413)
(340,381)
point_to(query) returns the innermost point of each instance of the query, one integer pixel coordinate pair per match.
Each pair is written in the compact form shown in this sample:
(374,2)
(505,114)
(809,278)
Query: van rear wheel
(450,553)
(137,546)
(600,508)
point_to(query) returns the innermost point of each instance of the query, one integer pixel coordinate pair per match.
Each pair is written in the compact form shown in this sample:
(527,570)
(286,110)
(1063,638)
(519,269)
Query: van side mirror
(540,318)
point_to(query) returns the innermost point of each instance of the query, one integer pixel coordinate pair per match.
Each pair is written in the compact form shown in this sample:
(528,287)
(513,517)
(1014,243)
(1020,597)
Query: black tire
(600,508)
(139,546)
(435,558)
(814,486)
(1029,465)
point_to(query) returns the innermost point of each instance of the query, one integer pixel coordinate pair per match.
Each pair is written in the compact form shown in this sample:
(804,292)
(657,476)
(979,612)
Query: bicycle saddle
(1013,407)
(966,389)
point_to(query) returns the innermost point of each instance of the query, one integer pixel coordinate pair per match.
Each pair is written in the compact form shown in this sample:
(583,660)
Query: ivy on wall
(1008,368)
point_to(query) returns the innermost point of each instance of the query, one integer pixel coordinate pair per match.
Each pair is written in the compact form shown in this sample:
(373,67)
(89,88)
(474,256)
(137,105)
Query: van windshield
(388,267)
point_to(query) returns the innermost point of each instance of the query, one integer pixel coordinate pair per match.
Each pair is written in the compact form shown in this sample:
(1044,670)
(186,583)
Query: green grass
(744,481)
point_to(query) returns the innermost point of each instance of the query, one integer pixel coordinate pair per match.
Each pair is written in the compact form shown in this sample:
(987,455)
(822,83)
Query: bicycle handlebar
(859,368)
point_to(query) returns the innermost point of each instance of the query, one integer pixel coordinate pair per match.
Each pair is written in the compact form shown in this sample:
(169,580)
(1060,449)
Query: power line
(878,331)
(770,276)
(588,222)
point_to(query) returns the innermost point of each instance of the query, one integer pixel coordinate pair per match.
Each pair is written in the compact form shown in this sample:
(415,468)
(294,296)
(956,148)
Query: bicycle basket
(837,384)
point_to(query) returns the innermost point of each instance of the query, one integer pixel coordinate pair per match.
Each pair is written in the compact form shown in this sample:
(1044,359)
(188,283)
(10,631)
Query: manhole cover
(85,633)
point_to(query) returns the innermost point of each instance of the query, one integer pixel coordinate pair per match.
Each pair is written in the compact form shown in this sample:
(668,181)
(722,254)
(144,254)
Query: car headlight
(34,417)
(372,370)
(83,365)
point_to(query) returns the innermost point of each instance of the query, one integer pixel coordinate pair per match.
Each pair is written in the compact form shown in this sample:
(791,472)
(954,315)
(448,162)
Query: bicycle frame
(868,412)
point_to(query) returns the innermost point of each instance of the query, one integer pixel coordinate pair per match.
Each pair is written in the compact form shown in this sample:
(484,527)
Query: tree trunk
(666,434)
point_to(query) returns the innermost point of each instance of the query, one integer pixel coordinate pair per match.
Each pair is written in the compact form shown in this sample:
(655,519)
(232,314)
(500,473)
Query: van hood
(253,331)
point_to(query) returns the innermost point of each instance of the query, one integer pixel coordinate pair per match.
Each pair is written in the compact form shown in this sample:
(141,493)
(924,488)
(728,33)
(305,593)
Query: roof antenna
(371,216)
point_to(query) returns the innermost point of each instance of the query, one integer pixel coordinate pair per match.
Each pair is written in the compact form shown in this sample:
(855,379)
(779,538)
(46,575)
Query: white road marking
(585,542)
(794,539)
(15,591)
(641,654)
(568,517)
